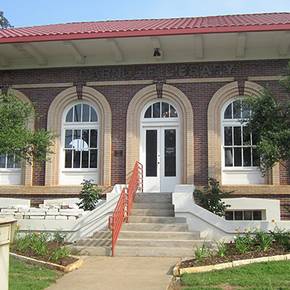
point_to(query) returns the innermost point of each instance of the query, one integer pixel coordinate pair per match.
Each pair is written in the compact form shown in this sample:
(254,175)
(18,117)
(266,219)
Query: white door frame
(160,182)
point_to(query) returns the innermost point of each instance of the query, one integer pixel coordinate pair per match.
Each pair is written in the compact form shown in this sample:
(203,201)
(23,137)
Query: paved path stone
(119,273)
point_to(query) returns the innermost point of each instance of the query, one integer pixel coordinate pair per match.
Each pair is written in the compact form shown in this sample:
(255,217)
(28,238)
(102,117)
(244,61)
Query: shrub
(89,195)
(59,253)
(263,241)
(282,238)
(221,249)
(210,197)
(41,245)
(201,253)
(244,243)
(59,238)
(33,243)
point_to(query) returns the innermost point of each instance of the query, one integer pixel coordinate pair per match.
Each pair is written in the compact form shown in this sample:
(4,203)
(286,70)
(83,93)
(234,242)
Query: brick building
(166,92)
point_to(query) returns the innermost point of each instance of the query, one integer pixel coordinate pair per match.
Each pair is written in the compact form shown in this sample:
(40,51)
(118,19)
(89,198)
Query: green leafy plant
(201,253)
(4,23)
(210,197)
(89,195)
(59,253)
(281,238)
(41,245)
(16,138)
(270,124)
(33,243)
(221,249)
(263,240)
(244,243)
(59,238)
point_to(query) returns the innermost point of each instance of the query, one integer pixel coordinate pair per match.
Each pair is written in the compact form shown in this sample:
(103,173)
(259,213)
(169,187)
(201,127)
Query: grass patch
(270,275)
(23,276)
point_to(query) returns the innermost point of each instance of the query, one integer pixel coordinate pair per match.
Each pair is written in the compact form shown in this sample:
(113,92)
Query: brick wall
(119,97)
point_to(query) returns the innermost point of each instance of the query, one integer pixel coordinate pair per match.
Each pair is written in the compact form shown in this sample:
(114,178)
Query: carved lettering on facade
(164,71)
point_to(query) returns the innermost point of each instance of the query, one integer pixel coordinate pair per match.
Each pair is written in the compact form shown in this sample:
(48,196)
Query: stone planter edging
(178,271)
(69,268)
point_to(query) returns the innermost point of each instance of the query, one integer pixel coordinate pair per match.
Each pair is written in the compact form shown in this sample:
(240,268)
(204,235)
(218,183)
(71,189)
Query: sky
(37,12)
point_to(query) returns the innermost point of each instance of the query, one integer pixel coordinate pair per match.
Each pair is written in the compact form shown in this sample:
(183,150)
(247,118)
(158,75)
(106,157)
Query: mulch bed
(51,246)
(233,255)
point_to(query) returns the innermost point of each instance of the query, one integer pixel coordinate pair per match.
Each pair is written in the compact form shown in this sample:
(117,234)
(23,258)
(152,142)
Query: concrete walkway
(119,273)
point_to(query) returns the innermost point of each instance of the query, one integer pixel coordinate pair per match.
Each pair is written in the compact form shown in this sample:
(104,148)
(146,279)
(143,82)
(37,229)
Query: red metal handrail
(125,203)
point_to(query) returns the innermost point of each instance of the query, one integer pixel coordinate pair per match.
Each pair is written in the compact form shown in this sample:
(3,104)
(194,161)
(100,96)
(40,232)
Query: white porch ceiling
(139,50)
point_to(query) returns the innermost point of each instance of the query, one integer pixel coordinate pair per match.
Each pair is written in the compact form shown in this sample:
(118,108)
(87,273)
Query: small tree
(89,195)
(16,138)
(4,23)
(270,124)
(210,197)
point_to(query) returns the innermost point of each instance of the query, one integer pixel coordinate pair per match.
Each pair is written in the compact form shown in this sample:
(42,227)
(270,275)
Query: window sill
(244,170)
(10,170)
(74,170)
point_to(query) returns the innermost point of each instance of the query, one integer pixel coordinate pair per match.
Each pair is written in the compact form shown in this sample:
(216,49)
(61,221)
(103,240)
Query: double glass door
(160,156)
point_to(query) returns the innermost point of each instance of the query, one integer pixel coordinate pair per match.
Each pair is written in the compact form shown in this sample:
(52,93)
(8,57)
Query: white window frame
(233,123)
(79,126)
(161,120)
(13,170)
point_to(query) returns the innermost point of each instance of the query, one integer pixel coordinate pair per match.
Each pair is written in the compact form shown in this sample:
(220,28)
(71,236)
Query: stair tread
(163,232)
(163,240)
(150,248)
(170,224)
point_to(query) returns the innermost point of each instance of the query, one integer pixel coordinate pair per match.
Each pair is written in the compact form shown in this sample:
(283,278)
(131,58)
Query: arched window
(160,110)
(239,144)
(81,137)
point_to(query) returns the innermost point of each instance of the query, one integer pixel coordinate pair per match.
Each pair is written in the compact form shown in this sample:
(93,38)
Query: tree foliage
(270,124)
(4,23)
(15,135)
(210,197)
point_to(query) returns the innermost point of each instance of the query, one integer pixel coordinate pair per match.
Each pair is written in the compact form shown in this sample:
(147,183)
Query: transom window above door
(239,144)
(80,137)
(161,109)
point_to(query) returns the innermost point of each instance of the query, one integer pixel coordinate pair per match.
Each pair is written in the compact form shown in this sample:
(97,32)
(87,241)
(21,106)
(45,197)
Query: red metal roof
(148,27)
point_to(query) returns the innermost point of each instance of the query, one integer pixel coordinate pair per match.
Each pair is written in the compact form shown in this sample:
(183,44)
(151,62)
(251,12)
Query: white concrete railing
(97,219)
(72,222)
(211,226)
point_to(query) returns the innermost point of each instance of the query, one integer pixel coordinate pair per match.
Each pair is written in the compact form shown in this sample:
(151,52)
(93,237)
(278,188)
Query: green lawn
(28,277)
(272,275)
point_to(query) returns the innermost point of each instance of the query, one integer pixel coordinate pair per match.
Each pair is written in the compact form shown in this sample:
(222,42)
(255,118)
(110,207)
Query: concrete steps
(181,227)
(159,243)
(159,235)
(153,205)
(154,219)
(153,198)
(141,243)
(152,212)
(152,230)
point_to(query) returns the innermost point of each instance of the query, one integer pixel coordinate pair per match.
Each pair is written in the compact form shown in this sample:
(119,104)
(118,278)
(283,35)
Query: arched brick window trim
(137,105)
(54,124)
(223,95)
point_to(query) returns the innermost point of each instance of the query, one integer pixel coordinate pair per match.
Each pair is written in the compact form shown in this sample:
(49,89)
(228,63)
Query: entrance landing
(122,273)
